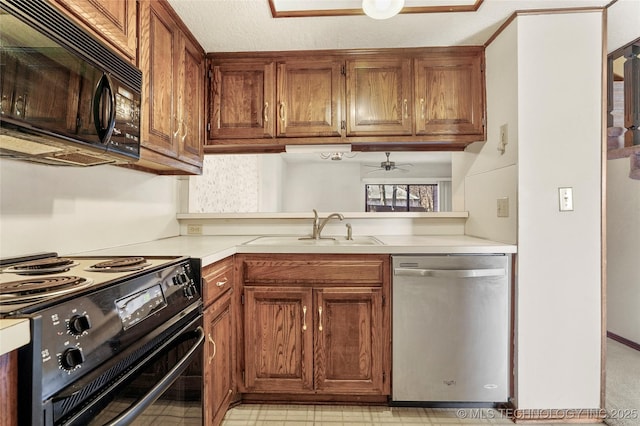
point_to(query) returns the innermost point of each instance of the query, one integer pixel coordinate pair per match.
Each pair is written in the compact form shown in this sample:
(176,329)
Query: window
(401,198)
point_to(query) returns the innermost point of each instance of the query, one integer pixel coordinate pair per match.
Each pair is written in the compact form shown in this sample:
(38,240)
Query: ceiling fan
(388,166)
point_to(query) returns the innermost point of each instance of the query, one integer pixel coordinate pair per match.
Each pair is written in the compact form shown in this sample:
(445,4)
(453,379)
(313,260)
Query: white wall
(623,204)
(69,210)
(492,175)
(559,268)
(228,184)
(623,246)
(323,186)
(623,23)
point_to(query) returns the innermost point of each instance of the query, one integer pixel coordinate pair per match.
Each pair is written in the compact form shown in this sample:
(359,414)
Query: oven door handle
(159,388)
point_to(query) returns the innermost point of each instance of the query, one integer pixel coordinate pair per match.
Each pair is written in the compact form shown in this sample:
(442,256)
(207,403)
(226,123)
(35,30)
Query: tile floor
(336,415)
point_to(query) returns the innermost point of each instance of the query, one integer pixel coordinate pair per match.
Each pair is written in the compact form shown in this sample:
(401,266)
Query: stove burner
(37,288)
(50,265)
(125,264)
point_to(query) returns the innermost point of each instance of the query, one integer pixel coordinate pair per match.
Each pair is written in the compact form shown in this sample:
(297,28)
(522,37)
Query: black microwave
(65,98)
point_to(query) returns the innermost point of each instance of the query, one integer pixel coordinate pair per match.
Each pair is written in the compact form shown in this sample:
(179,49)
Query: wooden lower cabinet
(322,332)
(218,356)
(278,339)
(349,341)
(219,353)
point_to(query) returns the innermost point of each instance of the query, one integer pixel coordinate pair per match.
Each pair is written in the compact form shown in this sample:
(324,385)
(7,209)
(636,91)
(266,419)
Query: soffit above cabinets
(307,8)
(249,26)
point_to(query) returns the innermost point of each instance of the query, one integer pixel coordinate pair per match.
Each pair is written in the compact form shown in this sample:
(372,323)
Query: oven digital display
(135,307)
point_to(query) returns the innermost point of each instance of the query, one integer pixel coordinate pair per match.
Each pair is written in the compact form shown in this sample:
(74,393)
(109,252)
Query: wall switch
(566,199)
(503,207)
(194,229)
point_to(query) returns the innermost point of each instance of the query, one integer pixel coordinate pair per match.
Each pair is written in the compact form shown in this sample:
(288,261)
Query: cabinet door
(157,62)
(349,341)
(113,20)
(190,102)
(278,340)
(379,100)
(242,100)
(218,356)
(310,97)
(449,95)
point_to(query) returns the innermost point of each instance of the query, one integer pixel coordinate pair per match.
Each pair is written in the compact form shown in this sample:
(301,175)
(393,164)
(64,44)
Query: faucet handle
(349,232)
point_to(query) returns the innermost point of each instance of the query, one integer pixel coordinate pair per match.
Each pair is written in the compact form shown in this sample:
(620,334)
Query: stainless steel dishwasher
(451,328)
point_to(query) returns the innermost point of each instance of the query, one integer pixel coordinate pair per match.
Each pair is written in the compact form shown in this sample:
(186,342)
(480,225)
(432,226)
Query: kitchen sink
(304,241)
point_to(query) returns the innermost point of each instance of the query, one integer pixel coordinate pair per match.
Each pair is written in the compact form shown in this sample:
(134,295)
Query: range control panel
(79,334)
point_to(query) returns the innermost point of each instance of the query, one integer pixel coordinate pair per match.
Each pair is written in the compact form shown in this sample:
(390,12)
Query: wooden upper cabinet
(310,97)
(242,100)
(379,97)
(173,93)
(114,21)
(190,105)
(449,97)
(158,63)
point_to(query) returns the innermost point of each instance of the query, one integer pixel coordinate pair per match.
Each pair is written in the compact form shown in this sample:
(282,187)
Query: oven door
(164,388)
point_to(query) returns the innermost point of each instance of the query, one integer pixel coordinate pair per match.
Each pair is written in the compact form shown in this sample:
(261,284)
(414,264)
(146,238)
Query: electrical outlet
(194,229)
(503,207)
(565,196)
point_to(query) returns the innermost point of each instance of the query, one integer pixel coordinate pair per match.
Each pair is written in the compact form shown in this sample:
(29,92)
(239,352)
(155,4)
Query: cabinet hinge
(343,124)
(210,74)
(343,70)
(242,302)
(208,127)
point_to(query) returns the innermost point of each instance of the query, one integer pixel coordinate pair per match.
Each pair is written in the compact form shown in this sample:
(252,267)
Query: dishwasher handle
(449,273)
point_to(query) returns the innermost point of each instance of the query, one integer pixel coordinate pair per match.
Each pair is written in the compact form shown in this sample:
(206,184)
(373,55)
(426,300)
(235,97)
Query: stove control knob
(78,324)
(71,358)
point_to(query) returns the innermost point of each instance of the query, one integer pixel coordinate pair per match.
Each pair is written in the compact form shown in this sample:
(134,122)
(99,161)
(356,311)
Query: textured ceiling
(247,25)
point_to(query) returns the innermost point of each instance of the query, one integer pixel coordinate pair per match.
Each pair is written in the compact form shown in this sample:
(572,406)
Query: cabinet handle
(223,282)
(265,116)
(320,317)
(20,106)
(422,108)
(214,349)
(406,108)
(183,124)
(282,105)
(176,122)
(304,318)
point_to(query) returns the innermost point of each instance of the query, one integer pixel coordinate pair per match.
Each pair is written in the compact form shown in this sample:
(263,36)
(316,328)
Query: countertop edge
(211,248)
(14,333)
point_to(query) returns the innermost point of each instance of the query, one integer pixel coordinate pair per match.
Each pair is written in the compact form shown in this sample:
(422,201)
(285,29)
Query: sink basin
(325,241)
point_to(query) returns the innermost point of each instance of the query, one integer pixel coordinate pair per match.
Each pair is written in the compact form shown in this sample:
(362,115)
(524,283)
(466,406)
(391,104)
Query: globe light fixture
(382,9)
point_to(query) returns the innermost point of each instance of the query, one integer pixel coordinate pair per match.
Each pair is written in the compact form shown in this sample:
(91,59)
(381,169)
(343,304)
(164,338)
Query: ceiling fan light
(382,9)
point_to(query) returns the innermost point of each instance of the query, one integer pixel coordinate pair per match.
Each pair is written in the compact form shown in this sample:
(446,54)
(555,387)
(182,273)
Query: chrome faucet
(318,225)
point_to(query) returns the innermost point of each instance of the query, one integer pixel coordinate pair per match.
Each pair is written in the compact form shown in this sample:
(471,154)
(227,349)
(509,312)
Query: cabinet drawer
(216,280)
(304,269)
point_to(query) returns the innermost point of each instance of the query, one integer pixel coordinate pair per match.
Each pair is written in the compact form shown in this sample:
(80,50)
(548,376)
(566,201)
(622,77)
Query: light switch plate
(503,207)
(565,196)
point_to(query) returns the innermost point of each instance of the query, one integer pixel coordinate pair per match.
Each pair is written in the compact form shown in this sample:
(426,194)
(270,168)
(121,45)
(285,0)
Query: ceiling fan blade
(375,170)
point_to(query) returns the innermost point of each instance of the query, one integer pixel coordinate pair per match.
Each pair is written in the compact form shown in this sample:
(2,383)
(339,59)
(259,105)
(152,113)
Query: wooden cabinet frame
(374,102)
(315,326)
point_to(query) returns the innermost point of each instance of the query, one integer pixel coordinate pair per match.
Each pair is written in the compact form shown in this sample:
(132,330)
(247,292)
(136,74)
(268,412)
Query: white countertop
(211,248)
(14,333)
